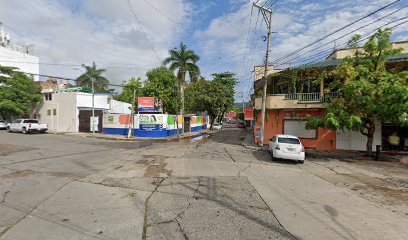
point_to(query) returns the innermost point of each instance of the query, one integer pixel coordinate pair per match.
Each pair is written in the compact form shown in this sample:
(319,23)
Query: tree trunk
(370,137)
(212,119)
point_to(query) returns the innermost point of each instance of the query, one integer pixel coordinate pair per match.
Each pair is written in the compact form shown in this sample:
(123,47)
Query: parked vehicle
(3,124)
(27,126)
(217,126)
(231,121)
(287,147)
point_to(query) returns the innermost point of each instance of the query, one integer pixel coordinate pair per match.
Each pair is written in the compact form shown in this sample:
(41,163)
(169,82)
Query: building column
(322,89)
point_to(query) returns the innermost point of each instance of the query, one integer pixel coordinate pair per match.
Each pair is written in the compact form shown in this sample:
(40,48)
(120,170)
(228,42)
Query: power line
(334,32)
(355,30)
(64,78)
(141,27)
(364,37)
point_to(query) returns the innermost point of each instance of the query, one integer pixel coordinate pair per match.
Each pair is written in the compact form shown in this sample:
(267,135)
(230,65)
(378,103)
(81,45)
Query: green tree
(127,91)
(19,95)
(184,61)
(212,97)
(100,82)
(162,84)
(369,90)
(228,80)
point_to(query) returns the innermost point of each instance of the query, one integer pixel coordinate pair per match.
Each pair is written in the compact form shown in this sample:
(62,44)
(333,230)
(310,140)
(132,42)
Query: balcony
(296,100)
(312,97)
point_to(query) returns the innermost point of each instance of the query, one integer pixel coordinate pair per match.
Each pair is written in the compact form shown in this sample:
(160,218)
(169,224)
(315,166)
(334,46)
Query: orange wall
(326,139)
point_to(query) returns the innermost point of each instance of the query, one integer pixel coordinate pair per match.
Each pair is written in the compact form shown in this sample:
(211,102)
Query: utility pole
(93,99)
(243,104)
(267,15)
(132,118)
(93,106)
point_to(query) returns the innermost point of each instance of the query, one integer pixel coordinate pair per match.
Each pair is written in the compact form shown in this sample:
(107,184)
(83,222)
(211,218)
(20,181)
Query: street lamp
(93,99)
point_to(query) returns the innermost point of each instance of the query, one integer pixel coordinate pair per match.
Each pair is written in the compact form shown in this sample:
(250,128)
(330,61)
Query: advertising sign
(145,104)
(249,114)
(150,122)
(230,114)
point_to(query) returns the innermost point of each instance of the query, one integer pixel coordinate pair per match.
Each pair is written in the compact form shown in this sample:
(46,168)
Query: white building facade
(17,56)
(72,111)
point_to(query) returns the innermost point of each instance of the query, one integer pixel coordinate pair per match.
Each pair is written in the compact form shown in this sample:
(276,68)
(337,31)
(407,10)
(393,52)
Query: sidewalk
(249,141)
(124,138)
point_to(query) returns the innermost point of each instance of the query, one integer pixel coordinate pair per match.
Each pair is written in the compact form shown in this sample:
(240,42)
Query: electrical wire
(334,32)
(141,27)
(344,35)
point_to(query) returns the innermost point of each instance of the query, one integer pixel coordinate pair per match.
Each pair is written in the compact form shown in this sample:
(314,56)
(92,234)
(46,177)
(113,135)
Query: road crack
(245,168)
(145,224)
(4,196)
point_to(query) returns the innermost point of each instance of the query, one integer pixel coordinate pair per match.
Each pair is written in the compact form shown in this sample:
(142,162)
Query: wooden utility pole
(267,15)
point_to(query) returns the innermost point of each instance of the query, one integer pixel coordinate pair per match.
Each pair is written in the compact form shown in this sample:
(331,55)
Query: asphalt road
(72,187)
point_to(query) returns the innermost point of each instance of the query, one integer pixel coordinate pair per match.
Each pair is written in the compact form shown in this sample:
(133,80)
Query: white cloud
(297,23)
(103,31)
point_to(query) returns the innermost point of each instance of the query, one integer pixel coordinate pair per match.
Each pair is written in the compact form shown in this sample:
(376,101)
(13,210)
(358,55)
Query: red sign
(230,114)
(145,101)
(145,104)
(249,113)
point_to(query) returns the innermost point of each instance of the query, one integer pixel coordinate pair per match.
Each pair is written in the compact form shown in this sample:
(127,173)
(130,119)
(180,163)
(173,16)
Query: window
(298,128)
(48,112)
(288,140)
(48,96)
(54,112)
(31,121)
(17,121)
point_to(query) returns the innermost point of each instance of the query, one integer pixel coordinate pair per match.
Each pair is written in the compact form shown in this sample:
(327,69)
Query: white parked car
(287,147)
(217,126)
(3,124)
(27,126)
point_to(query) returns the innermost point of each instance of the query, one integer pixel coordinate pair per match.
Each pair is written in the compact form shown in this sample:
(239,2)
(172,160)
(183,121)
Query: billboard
(230,114)
(145,104)
(151,122)
(249,113)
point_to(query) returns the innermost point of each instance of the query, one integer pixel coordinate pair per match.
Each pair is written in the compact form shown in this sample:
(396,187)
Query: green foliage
(213,97)
(127,92)
(100,82)
(19,95)
(184,61)
(228,80)
(369,91)
(162,84)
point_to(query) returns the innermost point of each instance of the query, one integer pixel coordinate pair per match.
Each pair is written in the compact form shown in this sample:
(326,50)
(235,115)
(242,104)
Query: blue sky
(67,33)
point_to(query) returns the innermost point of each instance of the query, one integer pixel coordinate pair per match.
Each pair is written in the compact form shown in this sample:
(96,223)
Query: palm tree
(100,82)
(184,61)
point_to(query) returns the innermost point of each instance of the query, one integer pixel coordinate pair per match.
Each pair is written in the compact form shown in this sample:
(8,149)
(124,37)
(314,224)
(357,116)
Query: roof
(335,62)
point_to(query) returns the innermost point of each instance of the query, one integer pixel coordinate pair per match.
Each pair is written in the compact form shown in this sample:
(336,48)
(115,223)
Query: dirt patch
(7,149)
(383,192)
(156,167)
(18,174)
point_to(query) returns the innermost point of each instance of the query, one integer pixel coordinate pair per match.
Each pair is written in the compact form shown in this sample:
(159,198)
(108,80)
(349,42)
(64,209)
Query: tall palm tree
(184,61)
(100,82)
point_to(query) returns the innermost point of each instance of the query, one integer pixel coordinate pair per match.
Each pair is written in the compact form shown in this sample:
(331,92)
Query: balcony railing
(312,97)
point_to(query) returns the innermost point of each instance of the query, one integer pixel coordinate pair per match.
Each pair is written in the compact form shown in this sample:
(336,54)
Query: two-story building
(294,93)
(69,110)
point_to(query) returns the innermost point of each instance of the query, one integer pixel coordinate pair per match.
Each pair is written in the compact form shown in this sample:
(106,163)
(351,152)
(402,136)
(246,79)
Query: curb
(198,133)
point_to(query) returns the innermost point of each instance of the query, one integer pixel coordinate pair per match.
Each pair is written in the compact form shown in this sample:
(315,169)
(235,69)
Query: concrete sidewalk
(124,138)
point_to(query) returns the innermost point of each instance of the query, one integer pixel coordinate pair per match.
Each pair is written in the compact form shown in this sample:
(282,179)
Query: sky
(226,34)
